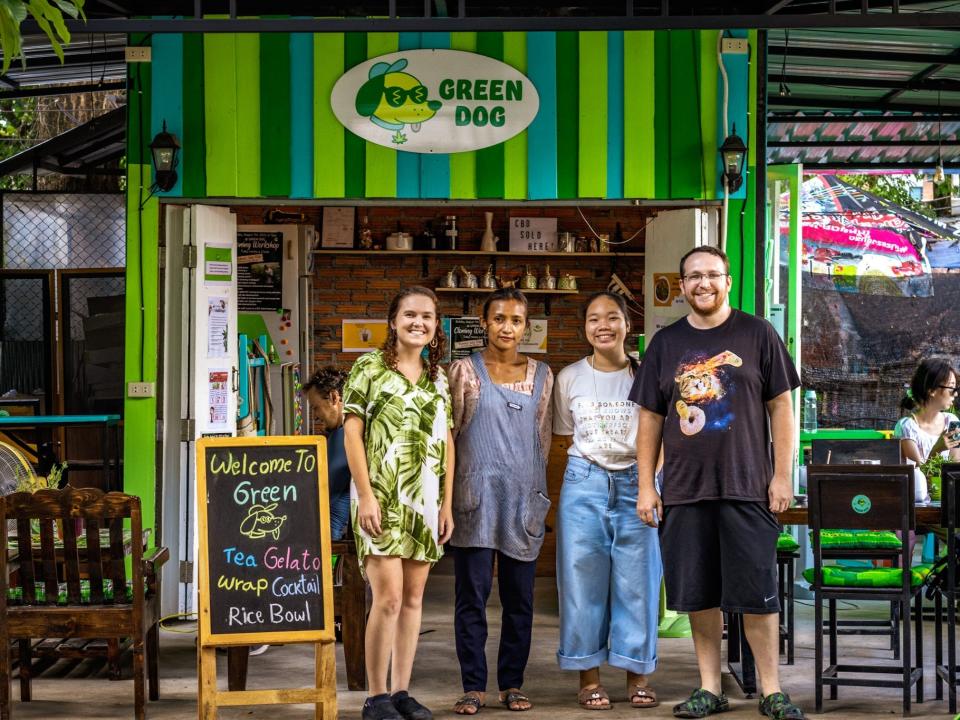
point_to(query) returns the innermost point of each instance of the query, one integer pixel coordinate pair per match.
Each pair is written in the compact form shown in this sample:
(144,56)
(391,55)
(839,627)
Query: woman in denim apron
(608,561)
(501,414)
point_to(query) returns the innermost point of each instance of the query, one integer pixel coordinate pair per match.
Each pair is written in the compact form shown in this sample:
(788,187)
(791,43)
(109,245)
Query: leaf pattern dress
(405,436)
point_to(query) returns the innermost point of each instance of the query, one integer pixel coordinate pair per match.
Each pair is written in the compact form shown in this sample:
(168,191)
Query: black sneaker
(407,706)
(379,707)
(779,707)
(700,704)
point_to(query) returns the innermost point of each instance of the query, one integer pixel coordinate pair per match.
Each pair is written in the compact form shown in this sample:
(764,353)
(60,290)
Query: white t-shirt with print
(592,406)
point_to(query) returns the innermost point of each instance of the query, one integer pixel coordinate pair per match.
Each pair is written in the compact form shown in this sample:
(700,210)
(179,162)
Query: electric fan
(16,473)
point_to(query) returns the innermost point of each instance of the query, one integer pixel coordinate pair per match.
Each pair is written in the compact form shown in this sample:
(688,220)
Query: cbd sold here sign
(434,101)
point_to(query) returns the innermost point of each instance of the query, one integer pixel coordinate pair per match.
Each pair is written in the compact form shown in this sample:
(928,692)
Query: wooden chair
(864,497)
(102,605)
(947,592)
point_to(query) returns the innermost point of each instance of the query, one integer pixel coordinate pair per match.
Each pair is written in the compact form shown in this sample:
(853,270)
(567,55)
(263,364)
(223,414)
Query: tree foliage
(895,188)
(48,14)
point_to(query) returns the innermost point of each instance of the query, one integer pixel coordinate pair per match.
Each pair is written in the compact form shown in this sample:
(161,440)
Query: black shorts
(720,553)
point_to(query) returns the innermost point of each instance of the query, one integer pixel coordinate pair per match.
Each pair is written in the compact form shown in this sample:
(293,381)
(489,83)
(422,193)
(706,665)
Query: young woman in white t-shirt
(926,429)
(608,561)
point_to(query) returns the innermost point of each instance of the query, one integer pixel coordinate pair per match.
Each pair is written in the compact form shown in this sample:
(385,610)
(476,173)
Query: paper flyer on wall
(217,264)
(218,389)
(218,326)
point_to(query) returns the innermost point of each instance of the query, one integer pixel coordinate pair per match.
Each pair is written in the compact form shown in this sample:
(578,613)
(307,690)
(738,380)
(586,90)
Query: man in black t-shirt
(715,390)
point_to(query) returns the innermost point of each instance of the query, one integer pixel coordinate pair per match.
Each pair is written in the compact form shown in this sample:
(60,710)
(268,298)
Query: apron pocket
(536,514)
(466,492)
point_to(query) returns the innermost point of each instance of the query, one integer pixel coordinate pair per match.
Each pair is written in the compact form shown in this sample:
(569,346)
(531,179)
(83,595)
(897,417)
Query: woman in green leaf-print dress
(400,451)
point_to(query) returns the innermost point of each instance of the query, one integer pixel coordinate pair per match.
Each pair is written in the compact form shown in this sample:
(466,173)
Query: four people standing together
(465,460)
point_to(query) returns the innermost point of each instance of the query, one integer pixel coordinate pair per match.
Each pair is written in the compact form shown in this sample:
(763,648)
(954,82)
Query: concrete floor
(82,691)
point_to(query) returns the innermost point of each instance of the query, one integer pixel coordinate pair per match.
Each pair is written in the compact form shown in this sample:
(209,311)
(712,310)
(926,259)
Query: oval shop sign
(434,101)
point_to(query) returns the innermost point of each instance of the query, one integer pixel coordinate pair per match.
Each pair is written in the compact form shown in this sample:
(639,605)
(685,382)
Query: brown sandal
(468,700)
(642,692)
(588,696)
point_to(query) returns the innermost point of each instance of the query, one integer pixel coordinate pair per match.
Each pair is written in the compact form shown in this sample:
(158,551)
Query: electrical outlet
(136,54)
(140,389)
(735,46)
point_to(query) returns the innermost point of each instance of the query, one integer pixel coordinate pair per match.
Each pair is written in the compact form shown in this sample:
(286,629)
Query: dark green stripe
(661,117)
(193,141)
(568,108)
(355,149)
(685,134)
(490,166)
(275,114)
(138,114)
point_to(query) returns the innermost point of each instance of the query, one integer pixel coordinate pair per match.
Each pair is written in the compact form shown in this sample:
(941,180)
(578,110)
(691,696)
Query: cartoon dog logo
(393,99)
(260,521)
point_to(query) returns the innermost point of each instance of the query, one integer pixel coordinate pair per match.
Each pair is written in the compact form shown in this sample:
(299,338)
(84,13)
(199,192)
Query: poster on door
(259,271)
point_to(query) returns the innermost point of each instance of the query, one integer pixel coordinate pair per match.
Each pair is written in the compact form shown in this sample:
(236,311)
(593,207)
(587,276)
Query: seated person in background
(925,429)
(324,392)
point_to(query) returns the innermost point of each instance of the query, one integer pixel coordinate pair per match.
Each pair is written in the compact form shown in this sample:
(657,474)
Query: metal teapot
(528,281)
(567,282)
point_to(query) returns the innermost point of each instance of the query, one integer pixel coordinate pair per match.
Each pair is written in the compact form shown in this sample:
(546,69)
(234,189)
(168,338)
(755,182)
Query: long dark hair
(437,347)
(620,303)
(930,373)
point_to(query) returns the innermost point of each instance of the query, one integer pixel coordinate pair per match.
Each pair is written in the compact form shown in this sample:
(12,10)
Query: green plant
(52,480)
(47,14)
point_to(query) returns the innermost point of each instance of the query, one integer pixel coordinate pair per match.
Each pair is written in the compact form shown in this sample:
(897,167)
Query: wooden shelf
(498,253)
(490,290)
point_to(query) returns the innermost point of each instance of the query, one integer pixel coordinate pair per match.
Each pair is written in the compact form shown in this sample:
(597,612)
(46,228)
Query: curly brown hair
(438,345)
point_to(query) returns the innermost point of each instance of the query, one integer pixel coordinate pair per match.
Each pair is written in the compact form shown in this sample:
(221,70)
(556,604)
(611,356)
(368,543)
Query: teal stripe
(615,116)
(435,167)
(490,160)
(301,115)
(568,109)
(167,100)
(408,163)
(737,74)
(542,133)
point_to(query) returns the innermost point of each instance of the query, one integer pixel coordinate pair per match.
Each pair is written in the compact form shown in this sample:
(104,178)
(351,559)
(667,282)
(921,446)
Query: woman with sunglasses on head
(400,452)
(608,560)
(926,430)
(502,418)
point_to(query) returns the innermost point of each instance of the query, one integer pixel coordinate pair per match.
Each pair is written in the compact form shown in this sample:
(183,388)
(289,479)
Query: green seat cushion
(786,543)
(15,594)
(858,539)
(835,576)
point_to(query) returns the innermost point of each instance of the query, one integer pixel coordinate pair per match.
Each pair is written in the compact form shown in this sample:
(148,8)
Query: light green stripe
(381,161)
(515,149)
(709,112)
(639,142)
(463,166)
(328,145)
(220,113)
(592,168)
(248,114)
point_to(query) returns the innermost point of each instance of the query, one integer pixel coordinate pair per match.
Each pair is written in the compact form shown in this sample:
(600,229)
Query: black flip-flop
(468,701)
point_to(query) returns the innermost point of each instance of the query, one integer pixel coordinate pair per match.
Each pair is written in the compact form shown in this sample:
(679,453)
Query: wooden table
(740,660)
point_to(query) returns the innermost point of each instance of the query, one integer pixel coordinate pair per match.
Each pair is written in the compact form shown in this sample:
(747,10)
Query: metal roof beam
(854,165)
(61,90)
(820,119)
(73,59)
(421,24)
(841,103)
(863,143)
(871,55)
(945,84)
(921,76)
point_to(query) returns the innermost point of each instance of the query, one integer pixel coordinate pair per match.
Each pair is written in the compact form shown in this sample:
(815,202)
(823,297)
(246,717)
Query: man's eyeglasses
(697,278)
(952,388)
(396,95)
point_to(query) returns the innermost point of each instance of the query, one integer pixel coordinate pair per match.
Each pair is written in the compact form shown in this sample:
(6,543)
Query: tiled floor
(76,694)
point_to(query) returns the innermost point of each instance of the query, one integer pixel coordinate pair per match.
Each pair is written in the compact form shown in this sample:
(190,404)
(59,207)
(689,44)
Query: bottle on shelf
(364,234)
(426,240)
(809,411)
(450,231)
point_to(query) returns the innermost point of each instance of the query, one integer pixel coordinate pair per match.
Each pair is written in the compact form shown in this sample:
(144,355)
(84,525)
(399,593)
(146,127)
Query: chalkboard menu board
(264,541)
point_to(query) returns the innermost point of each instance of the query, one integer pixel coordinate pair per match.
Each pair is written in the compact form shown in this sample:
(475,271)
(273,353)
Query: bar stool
(947,591)
(868,497)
